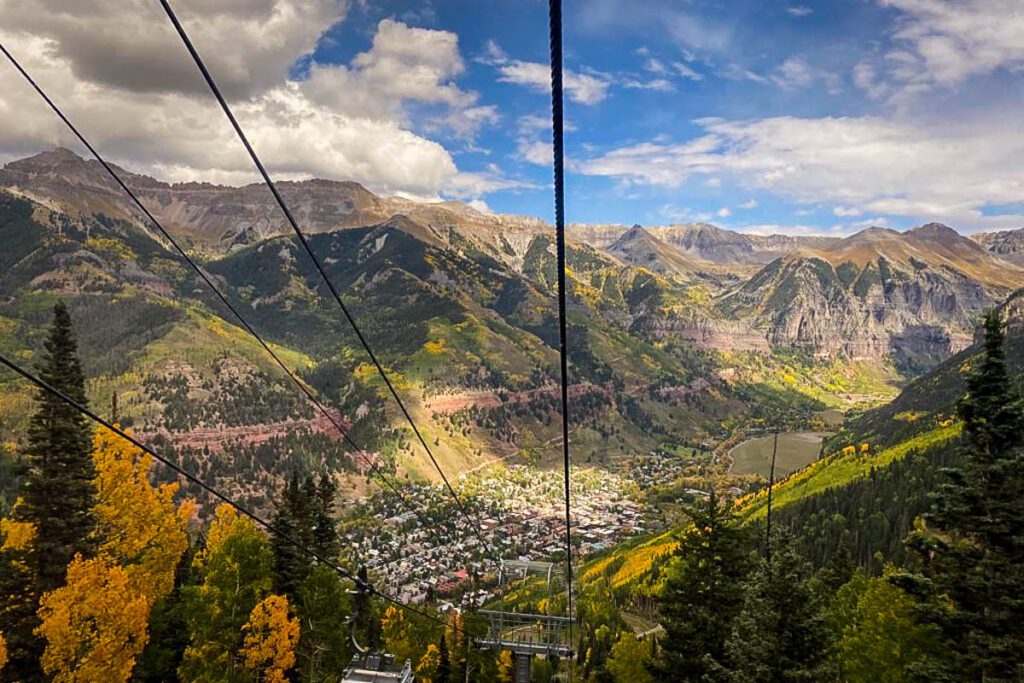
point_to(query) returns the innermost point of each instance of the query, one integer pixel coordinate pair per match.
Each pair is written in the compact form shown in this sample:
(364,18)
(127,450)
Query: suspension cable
(213,491)
(474,525)
(374,469)
(558,153)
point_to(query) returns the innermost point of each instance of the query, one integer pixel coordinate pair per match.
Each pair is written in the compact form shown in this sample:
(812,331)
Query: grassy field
(796,450)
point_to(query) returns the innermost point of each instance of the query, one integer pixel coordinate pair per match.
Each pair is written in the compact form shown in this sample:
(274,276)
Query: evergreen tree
(782,634)
(703,593)
(325,537)
(292,523)
(57,484)
(56,499)
(971,545)
(444,666)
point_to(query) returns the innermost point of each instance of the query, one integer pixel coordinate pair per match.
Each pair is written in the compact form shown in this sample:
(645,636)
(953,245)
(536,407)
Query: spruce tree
(57,486)
(292,523)
(57,498)
(703,593)
(782,634)
(970,548)
(325,537)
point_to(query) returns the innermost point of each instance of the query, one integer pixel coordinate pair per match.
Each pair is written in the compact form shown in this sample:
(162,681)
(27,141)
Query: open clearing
(796,449)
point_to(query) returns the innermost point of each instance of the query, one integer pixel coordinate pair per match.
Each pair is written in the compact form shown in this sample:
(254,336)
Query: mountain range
(675,331)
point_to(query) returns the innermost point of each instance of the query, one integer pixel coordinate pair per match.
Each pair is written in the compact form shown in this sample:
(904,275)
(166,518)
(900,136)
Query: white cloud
(582,88)
(800,10)
(724,212)
(846,211)
(655,66)
(535,152)
(142,103)
(781,229)
(943,172)
(686,71)
(480,205)
(749,204)
(942,44)
(657,84)
(795,74)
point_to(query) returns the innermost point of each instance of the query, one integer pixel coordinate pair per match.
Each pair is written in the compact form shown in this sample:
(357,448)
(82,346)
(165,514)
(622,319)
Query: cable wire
(558,153)
(429,527)
(473,524)
(168,462)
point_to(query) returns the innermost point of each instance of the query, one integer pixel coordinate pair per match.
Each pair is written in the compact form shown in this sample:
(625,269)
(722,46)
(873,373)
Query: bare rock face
(1007,244)
(912,296)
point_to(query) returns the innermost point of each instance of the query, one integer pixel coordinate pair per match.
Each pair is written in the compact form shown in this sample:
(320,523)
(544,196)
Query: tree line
(738,607)
(106,576)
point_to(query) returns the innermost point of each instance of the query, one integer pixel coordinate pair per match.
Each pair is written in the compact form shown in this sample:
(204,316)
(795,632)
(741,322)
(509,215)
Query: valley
(688,345)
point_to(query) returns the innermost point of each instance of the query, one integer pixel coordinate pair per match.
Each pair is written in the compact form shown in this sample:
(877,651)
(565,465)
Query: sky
(762,116)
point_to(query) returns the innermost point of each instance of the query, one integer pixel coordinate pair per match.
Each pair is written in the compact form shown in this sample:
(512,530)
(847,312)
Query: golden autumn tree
(98,621)
(270,639)
(506,667)
(95,625)
(426,670)
(139,523)
(3,652)
(18,599)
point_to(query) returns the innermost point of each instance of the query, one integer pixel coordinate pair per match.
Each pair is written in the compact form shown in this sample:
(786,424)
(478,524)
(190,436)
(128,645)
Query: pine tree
(57,489)
(292,523)
(970,547)
(703,593)
(781,634)
(325,538)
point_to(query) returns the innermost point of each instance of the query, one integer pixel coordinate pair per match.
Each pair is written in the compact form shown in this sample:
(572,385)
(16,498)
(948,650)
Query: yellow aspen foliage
(864,448)
(17,536)
(270,639)
(505,667)
(426,670)
(140,526)
(95,625)
(3,652)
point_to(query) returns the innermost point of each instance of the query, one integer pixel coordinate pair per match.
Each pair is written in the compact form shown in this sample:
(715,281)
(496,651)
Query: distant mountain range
(459,304)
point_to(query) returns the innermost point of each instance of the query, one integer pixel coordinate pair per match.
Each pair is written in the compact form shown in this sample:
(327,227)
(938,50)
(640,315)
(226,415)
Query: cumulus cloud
(749,204)
(800,11)
(957,173)
(250,46)
(123,76)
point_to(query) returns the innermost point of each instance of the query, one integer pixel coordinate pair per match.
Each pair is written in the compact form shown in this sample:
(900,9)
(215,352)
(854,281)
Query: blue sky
(663,68)
(795,117)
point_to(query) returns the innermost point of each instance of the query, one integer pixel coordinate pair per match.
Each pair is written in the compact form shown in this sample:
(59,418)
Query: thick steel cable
(473,524)
(374,469)
(169,463)
(558,153)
